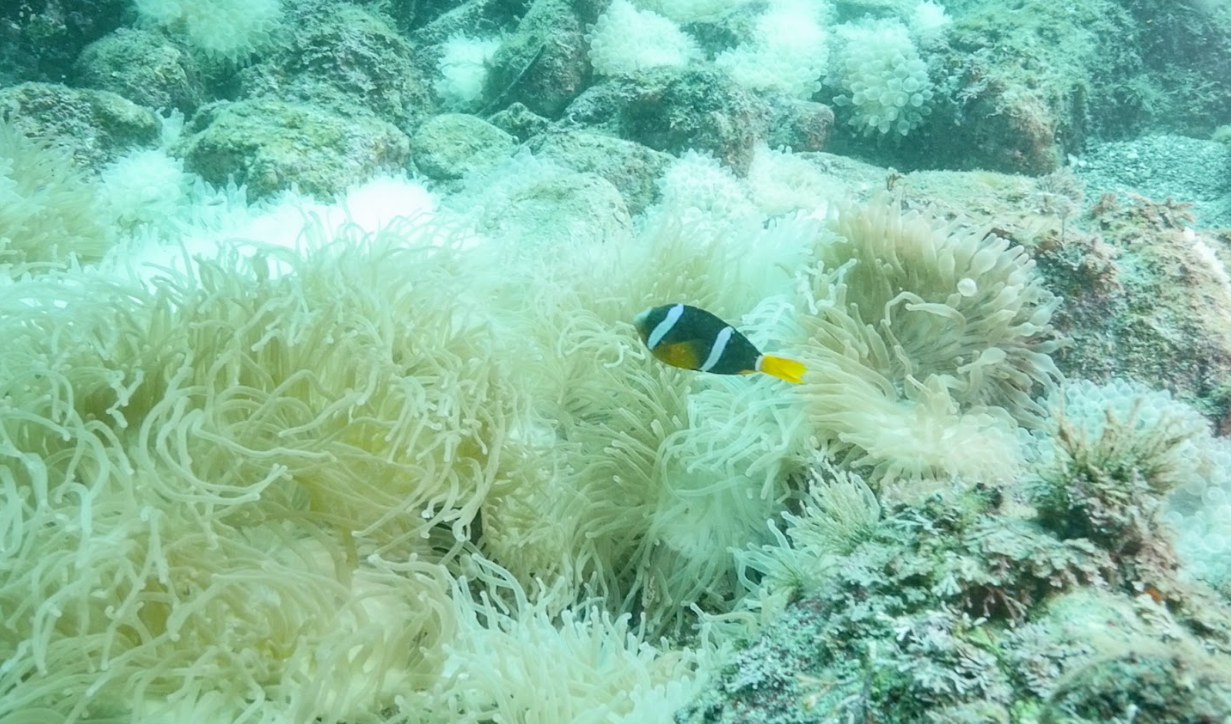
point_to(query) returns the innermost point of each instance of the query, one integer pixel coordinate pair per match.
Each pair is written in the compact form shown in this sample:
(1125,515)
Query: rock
(452,144)
(270,145)
(144,67)
(94,126)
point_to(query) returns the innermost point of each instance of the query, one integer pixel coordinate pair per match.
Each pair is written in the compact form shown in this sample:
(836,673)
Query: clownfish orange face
(693,339)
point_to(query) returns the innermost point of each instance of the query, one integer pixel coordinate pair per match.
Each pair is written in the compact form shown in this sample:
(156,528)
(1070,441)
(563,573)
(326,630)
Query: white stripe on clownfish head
(663,327)
(720,344)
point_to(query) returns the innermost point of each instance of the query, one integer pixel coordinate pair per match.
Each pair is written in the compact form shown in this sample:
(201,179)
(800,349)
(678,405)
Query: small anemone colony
(413,474)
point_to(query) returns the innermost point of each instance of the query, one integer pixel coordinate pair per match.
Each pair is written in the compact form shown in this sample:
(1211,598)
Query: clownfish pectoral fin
(680,354)
(782,368)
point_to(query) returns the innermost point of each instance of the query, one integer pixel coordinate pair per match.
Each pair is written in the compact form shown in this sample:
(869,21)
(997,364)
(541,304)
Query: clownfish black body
(693,339)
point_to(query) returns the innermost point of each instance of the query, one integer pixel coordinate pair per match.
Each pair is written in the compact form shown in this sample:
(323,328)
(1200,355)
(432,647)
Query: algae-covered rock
(542,64)
(94,126)
(960,610)
(1016,94)
(629,166)
(520,122)
(533,203)
(677,111)
(270,145)
(699,110)
(801,126)
(345,59)
(144,67)
(453,144)
(39,39)
(1147,298)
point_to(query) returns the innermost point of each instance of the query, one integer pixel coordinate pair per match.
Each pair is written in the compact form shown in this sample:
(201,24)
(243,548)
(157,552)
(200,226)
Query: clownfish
(693,339)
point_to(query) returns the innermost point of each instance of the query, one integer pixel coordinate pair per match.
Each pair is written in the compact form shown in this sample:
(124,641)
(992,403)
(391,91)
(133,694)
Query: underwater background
(321,397)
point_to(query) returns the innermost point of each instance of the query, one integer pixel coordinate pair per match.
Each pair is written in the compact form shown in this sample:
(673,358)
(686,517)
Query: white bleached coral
(376,457)
(627,40)
(788,51)
(518,658)
(206,478)
(962,304)
(464,65)
(686,11)
(49,210)
(225,29)
(885,82)
(146,187)
(926,343)
(928,22)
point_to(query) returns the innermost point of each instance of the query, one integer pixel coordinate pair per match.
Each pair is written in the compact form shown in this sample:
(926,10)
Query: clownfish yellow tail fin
(782,368)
